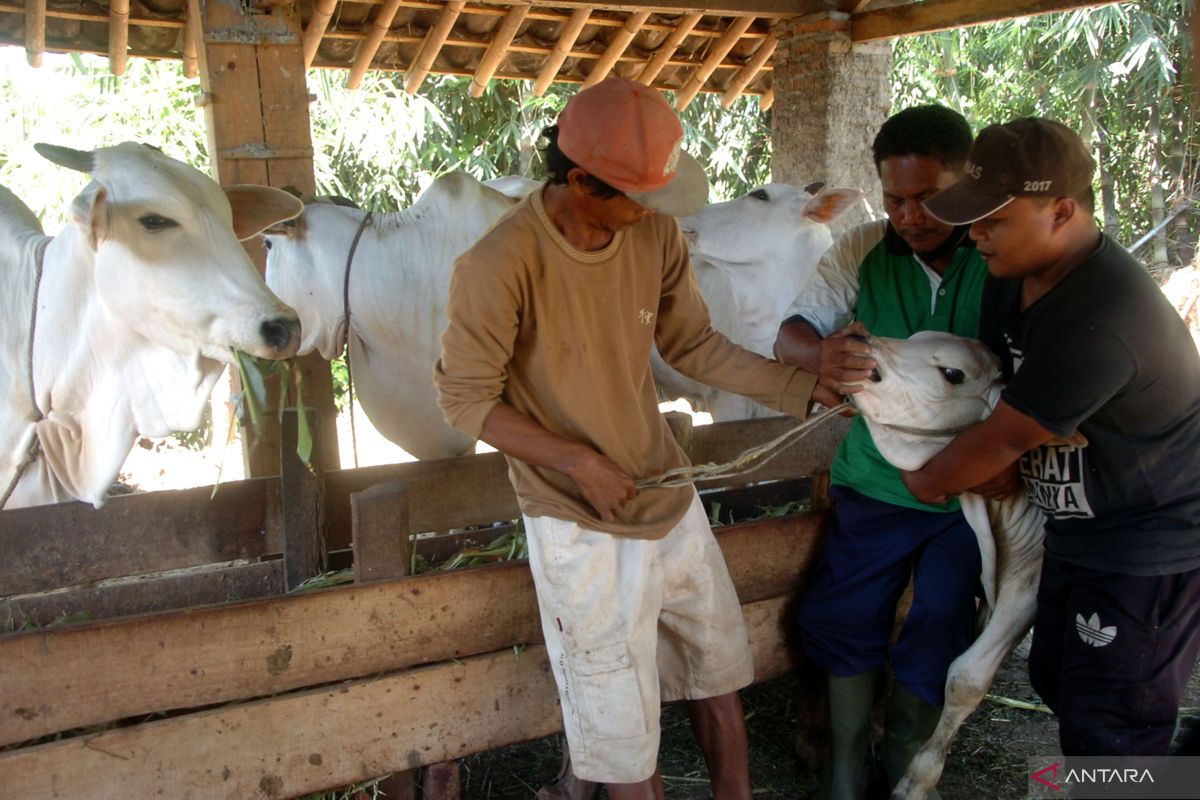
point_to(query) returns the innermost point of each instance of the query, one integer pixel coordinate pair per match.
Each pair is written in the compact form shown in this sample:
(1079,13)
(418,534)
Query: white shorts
(630,623)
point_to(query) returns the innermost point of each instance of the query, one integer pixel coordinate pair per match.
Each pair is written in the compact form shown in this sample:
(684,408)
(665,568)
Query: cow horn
(79,160)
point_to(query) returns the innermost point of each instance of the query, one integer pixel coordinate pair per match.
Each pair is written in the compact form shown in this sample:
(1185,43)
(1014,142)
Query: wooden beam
(35,31)
(434,40)
(667,49)
(566,40)
(300,743)
(496,51)
(716,55)
(616,48)
(749,72)
(118,35)
(939,15)
(219,654)
(367,48)
(193,38)
(766,100)
(318,23)
(381,532)
(302,494)
(776,9)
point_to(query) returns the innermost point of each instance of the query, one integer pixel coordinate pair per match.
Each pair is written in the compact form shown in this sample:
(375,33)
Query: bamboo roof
(725,46)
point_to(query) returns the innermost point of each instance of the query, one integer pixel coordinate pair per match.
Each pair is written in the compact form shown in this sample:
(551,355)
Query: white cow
(926,389)
(751,257)
(399,281)
(134,310)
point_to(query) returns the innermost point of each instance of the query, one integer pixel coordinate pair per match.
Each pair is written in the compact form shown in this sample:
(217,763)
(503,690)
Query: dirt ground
(988,760)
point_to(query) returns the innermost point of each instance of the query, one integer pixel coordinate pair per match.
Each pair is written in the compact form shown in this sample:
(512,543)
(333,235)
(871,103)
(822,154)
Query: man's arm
(977,455)
(603,484)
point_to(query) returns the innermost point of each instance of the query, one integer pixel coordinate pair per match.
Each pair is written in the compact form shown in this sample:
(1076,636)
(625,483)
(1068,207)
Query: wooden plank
(748,73)
(303,497)
(380,522)
(939,15)
(715,56)
(616,48)
(498,48)
(213,655)
(166,593)
(299,743)
(68,544)
(663,54)
(434,39)
(562,48)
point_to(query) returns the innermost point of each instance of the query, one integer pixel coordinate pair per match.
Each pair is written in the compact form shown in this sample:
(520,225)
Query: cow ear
(89,212)
(79,160)
(256,208)
(829,204)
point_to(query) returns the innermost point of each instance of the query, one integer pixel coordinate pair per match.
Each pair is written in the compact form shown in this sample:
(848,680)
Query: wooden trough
(209,681)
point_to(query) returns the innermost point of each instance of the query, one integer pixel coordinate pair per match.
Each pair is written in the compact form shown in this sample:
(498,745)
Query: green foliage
(1120,74)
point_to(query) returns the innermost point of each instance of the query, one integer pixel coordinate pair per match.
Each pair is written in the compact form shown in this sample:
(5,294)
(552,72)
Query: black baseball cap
(1028,157)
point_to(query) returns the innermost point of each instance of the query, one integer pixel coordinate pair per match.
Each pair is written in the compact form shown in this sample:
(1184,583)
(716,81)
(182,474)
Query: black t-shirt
(1104,353)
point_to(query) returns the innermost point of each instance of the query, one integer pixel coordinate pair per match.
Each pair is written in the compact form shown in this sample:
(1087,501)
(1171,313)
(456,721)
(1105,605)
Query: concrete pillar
(831,96)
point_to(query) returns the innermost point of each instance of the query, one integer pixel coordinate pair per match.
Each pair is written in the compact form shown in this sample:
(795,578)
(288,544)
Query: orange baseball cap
(626,134)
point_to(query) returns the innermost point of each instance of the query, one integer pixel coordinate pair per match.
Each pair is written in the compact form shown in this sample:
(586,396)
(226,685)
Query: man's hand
(845,360)
(603,484)
(1004,484)
(917,482)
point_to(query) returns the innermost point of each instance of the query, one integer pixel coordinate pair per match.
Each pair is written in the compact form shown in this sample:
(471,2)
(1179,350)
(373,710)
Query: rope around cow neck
(35,444)
(682,476)
(345,329)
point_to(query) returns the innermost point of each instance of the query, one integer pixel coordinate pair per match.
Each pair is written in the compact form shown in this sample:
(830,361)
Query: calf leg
(968,680)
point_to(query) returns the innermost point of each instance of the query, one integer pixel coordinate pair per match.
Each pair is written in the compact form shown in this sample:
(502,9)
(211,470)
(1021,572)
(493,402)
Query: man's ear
(1065,209)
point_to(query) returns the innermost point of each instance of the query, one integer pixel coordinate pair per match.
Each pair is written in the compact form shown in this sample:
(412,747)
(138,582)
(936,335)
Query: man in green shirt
(891,278)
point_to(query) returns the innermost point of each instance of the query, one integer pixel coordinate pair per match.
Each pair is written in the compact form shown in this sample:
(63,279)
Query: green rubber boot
(910,722)
(850,701)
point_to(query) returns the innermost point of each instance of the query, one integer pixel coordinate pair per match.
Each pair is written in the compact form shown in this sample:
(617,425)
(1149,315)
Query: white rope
(682,476)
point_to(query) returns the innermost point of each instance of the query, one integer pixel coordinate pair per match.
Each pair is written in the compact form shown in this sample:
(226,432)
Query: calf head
(924,390)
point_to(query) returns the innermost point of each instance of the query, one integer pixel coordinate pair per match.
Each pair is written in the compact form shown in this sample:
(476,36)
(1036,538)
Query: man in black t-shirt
(1102,421)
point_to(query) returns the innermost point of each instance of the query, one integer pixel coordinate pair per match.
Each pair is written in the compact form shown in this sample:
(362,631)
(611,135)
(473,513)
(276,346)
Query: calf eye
(760,194)
(153,222)
(267,242)
(953,376)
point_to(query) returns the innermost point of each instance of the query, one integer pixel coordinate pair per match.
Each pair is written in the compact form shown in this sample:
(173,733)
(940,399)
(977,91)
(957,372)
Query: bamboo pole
(616,48)
(434,40)
(766,100)
(370,46)
(749,72)
(35,31)
(667,49)
(566,40)
(719,50)
(317,24)
(118,35)
(193,39)
(498,48)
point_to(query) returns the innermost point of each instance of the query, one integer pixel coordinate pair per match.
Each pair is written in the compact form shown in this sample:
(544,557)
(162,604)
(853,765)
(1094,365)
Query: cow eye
(153,222)
(266,242)
(953,376)
(760,194)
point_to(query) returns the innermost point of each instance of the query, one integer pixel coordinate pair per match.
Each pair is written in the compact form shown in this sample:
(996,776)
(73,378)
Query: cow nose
(278,332)
(876,377)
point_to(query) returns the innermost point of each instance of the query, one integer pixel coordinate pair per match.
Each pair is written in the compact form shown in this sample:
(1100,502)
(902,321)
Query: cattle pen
(166,645)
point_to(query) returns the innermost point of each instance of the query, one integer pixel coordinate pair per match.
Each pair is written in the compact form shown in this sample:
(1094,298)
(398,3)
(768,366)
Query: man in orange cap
(552,317)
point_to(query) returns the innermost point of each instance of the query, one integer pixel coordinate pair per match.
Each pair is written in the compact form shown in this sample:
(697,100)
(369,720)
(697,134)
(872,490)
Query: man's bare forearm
(799,344)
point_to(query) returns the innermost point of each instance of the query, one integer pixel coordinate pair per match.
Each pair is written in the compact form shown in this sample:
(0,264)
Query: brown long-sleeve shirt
(564,336)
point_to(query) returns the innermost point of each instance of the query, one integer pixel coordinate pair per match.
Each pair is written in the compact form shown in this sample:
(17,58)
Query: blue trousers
(846,616)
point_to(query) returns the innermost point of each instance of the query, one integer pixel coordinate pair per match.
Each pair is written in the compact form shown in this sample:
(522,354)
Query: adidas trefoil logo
(1091,632)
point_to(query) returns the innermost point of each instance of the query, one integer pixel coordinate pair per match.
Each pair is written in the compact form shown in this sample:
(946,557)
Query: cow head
(166,256)
(925,389)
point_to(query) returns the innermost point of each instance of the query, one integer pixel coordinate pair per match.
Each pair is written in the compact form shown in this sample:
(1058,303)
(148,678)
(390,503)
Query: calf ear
(829,204)
(256,208)
(89,212)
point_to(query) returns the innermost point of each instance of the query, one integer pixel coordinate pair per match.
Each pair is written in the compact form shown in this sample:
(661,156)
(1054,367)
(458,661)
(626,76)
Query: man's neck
(1079,247)
(579,231)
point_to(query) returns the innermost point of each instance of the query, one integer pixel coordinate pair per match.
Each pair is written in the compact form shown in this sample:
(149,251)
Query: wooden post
(379,525)
(303,499)
(256,109)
